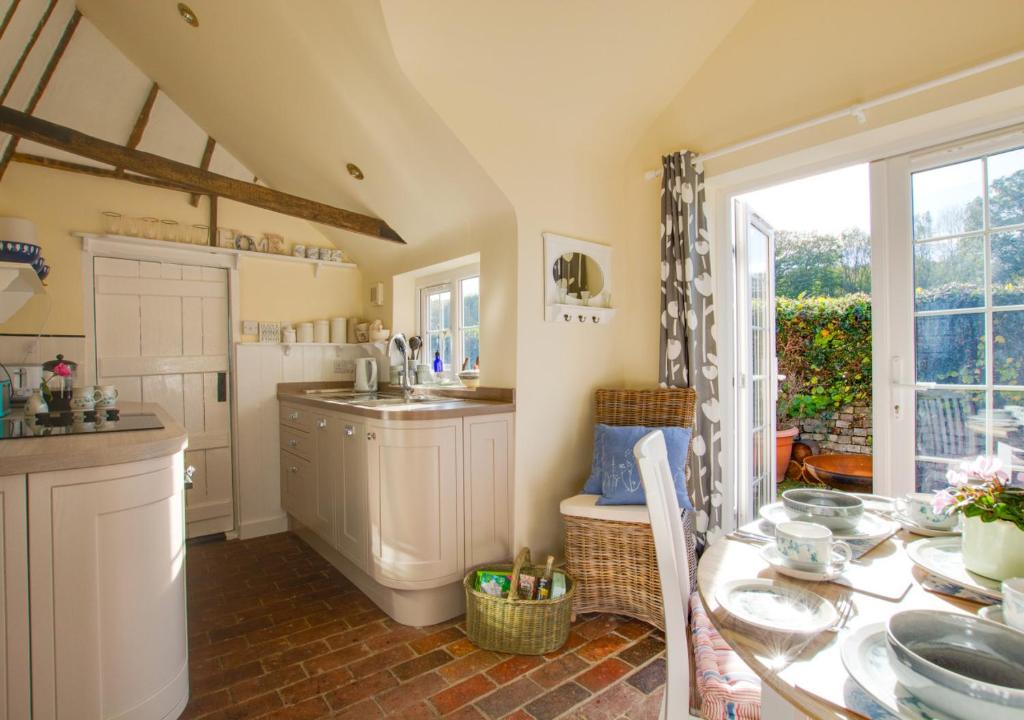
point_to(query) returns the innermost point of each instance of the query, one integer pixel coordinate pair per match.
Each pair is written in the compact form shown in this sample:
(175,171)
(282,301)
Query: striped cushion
(727,689)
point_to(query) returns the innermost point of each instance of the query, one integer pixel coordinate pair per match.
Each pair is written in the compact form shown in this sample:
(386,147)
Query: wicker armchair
(609,549)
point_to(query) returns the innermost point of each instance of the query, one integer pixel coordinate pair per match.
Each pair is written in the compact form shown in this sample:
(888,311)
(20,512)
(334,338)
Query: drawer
(296,417)
(300,443)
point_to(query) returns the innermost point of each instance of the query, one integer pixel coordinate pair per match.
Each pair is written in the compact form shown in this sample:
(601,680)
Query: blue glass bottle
(438,365)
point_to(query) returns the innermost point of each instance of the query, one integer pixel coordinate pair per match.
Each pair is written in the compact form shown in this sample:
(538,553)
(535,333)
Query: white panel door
(162,337)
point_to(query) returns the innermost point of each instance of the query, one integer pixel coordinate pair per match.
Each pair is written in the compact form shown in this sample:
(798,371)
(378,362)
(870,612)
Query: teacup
(107,396)
(918,508)
(84,398)
(810,546)
(1013,602)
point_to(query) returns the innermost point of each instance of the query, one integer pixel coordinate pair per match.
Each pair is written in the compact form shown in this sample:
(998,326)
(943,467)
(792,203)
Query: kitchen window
(450,322)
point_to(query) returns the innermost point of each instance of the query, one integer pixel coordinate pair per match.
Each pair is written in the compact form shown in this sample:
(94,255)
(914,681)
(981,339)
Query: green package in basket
(493,582)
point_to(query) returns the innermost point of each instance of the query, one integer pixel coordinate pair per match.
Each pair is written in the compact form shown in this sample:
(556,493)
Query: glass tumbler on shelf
(150,228)
(200,234)
(112,222)
(170,231)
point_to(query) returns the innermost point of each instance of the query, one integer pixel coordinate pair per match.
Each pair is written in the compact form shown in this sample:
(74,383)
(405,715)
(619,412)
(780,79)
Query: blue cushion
(614,474)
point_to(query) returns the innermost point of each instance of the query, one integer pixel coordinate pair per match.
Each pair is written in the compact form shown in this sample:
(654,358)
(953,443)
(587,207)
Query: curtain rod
(858,111)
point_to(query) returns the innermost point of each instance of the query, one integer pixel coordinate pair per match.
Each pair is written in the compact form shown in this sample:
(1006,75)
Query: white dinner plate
(867,660)
(773,606)
(771,555)
(870,527)
(942,556)
(916,529)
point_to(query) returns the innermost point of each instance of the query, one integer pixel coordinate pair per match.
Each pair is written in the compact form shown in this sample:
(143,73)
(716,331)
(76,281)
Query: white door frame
(130,248)
(998,111)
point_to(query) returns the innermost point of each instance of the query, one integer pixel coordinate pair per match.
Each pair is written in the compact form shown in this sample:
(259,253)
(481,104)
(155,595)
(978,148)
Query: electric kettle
(366,375)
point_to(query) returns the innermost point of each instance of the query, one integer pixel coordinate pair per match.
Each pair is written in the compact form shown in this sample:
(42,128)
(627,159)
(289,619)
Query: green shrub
(824,350)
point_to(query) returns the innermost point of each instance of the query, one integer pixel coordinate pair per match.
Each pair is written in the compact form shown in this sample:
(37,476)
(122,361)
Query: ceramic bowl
(379,335)
(835,510)
(965,666)
(18,251)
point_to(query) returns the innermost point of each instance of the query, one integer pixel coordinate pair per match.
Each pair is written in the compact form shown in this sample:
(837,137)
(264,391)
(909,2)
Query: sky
(828,203)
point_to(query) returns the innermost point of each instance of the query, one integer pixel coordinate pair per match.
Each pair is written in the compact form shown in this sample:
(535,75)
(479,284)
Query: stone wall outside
(846,431)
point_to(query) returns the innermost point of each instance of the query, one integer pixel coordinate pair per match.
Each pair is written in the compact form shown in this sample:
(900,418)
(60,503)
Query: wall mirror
(577,286)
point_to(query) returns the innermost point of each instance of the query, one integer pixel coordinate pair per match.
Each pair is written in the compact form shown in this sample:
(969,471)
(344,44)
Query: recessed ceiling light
(354,171)
(188,14)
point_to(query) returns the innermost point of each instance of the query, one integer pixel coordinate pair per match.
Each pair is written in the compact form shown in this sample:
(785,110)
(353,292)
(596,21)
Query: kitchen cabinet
(415,492)
(107,588)
(352,508)
(14,617)
(416,503)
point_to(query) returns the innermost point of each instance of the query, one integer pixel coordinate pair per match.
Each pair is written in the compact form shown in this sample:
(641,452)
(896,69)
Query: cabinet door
(107,551)
(328,434)
(353,538)
(489,502)
(14,648)
(415,495)
(298,477)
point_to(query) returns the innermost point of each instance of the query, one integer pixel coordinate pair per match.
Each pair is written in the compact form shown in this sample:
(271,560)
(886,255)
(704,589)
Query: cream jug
(366,375)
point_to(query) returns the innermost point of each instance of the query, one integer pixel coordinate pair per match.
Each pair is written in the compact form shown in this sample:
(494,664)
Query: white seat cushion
(586,506)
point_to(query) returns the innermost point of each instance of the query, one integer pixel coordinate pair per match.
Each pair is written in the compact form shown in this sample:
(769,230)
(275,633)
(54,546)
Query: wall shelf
(187,247)
(18,283)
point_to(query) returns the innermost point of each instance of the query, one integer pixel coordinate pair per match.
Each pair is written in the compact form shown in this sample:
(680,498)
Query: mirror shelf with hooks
(577,281)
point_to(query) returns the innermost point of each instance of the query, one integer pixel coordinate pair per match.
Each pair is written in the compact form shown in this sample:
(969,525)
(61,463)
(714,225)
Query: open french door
(955,256)
(757,376)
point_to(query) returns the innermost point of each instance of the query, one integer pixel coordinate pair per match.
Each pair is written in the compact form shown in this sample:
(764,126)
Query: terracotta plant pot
(783,450)
(993,549)
(842,471)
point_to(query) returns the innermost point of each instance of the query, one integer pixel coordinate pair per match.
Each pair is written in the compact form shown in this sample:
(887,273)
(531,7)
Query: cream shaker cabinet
(14,632)
(327,478)
(353,538)
(107,588)
(416,494)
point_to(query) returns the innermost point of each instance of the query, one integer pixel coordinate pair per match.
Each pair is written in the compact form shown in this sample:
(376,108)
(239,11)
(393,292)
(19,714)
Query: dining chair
(726,688)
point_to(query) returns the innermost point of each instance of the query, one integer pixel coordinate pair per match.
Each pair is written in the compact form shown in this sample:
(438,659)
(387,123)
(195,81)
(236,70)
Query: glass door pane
(968,224)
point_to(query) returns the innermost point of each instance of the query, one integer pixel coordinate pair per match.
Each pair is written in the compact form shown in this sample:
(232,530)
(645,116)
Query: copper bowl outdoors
(842,471)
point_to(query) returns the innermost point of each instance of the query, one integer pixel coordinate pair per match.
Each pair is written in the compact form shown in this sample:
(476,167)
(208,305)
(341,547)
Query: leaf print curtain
(688,344)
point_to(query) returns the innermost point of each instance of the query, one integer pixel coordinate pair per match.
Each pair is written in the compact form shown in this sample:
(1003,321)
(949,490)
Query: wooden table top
(807,670)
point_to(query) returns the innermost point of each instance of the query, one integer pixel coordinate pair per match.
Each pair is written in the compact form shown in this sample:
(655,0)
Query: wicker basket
(514,626)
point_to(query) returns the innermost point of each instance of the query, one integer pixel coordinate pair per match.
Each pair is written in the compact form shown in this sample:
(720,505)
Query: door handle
(371,436)
(189,472)
(293,469)
(222,387)
(321,423)
(350,430)
(293,443)
(293,415)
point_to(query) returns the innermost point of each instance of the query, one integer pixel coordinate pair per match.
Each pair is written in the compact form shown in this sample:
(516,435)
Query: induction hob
(75,423)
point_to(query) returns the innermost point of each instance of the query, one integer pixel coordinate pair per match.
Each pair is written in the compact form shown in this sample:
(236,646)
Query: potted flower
(56,387)
(993,517)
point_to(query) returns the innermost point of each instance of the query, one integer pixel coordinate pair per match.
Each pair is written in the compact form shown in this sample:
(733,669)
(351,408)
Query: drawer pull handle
(293,416)
(321,423)
(293,469)
(371,436)
(349,431)
(189,472)
(293,443)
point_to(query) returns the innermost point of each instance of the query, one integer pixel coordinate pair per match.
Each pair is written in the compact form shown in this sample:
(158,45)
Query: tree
(816,265)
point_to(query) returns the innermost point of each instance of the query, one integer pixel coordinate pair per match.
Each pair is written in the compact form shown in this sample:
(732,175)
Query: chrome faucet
(399,341)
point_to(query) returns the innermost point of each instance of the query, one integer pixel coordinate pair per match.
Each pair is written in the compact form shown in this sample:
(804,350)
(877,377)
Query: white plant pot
(993,549)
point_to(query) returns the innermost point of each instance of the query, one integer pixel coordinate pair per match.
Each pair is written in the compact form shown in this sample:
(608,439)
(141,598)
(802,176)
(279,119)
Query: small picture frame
(270,333)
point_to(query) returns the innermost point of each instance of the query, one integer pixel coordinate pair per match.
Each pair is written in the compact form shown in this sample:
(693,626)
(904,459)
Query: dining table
(803,675)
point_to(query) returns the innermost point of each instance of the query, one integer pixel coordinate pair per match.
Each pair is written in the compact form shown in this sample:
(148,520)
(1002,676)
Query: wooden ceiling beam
(44,80)
(28,49)
(140,122)
(8,16)
(204,164)
(55,164)
(194,179)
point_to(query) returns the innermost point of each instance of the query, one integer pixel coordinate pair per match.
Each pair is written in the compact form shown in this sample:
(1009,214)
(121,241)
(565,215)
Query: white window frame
(452,282)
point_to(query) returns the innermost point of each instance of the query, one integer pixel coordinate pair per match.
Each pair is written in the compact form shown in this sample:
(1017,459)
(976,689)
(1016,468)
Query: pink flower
(943,500)
(62,369)
(956,478)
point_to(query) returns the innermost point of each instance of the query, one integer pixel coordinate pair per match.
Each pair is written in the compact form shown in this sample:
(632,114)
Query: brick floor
(276,632)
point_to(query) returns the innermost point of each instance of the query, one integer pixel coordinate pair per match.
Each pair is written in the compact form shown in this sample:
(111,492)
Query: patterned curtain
(688,345)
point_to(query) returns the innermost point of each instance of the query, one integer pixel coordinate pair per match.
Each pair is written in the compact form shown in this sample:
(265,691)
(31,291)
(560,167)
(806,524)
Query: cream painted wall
(61,203)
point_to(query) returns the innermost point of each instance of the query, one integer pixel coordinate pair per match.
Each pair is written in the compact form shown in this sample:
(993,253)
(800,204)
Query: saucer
(769,605)
(771,555)
(870,527)
(912,527)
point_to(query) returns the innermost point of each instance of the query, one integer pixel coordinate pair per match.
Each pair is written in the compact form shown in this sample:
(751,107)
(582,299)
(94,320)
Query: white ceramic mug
(1013,602)
(299,250)
(84,398)
(917,507)
(107,396)
(809,545)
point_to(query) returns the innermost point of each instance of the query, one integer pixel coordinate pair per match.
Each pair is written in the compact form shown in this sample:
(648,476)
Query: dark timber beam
(7,18)
(194,179)
(204,164)
(28,48)
(55,164)
(44,80)
(140,122)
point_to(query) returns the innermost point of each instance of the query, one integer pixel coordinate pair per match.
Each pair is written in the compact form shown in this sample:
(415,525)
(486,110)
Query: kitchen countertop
(20,456)
(439,408)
